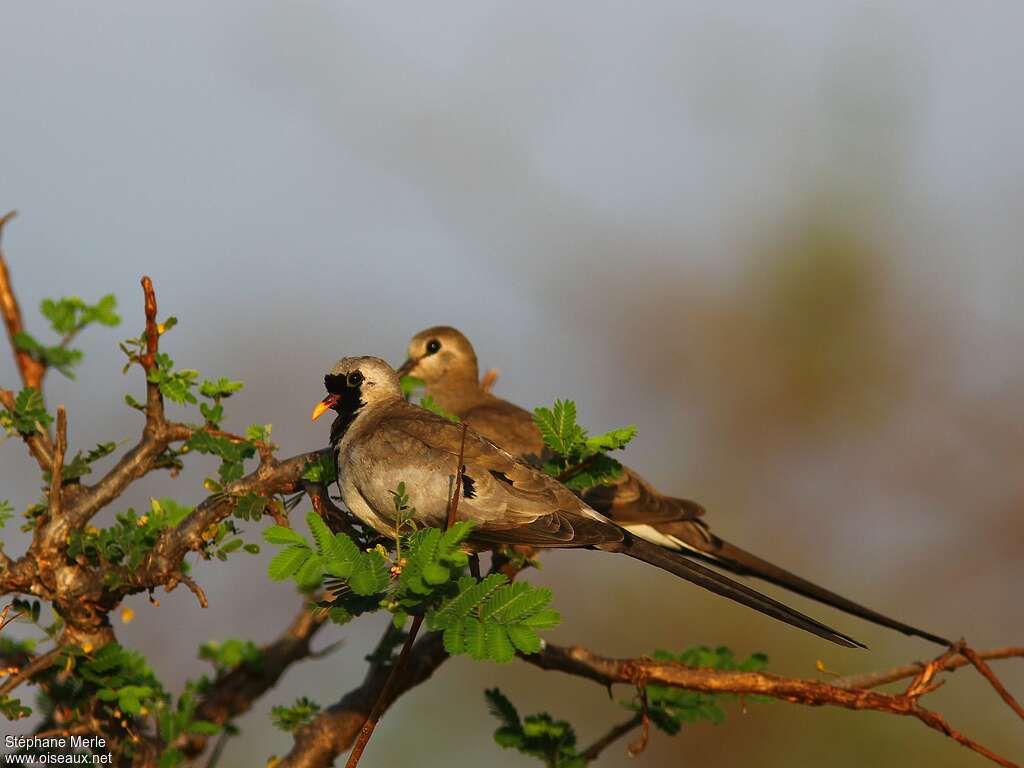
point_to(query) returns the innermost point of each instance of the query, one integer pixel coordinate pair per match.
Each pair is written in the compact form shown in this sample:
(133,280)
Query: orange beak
(324,405)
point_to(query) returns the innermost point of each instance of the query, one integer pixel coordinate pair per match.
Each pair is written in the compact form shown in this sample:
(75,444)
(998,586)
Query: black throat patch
(349,402)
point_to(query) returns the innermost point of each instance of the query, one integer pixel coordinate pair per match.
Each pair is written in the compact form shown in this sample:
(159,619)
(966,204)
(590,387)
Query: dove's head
(355,382)
(442,357)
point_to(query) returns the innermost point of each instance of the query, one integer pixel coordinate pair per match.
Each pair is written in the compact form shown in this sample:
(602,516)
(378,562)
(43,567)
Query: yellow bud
(92,530)
(161,328)
(144,711)
(127,615)
(142,521)
(87,647)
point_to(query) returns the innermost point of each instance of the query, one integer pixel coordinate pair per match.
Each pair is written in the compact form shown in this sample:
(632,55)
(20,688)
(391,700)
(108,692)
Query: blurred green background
(783,240)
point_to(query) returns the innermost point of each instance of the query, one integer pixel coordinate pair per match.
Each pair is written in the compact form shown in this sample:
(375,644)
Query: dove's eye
(355,379)
(433,346)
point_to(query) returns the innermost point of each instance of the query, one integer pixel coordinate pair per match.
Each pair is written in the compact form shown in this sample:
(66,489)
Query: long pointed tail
(675,563)
(730,557)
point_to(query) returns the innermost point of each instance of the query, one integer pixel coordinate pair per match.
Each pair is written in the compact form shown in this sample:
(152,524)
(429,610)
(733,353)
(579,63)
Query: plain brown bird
(443,358)
(381,440)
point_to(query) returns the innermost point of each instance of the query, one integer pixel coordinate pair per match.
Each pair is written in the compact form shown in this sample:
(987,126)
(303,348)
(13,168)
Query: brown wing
(508,500)
(506,425)
(632,500)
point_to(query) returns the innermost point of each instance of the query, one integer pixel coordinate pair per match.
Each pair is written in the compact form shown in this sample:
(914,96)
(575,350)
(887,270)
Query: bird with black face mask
(380,440)
(443,358)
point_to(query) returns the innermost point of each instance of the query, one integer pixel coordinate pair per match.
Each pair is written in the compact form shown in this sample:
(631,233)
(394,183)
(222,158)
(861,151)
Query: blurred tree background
(784,241)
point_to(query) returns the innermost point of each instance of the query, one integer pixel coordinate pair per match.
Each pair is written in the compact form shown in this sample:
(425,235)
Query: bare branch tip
(6,218)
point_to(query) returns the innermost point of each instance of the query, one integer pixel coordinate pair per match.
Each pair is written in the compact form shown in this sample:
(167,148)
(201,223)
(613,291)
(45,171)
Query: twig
(384,697)
(607,671)
(218,748)
(575,470)
(32,371)
(5,619)
(334,730)
(57,472)
(640,743)
(196,590)
(38,442)
(975,658)
(876,679)
(37,664)
(453,502)
(594,751)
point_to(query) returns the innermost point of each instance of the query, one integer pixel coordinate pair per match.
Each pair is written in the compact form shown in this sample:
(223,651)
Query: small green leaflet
(28,411)
(541,736)
(492,619)
(581,461)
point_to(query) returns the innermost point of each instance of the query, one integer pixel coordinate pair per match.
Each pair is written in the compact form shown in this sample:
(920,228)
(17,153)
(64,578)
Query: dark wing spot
(468,487)
(500,477)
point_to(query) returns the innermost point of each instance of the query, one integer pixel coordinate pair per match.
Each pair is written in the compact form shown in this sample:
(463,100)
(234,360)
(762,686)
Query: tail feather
(698,542)
(742,562)
(715,582)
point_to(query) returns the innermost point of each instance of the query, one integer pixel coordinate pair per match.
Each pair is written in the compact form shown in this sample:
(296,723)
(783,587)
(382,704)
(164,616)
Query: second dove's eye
(432,346)
(355,379)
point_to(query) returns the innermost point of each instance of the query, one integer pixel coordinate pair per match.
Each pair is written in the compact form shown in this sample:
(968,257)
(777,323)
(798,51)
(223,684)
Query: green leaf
(222,387)
(471,594)
(558,427)
(430,404)
(499,706)
(370,574)
(499,646)
(28,411)
(474,640)
(410,384)
(279,534)
(297,715)
(287,562)
(612,440)
(259,433)
(250,506)
(514,601)
(524,638)
(322,470)
(311,572)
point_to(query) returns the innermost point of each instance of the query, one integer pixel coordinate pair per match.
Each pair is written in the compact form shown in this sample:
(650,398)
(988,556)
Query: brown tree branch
(639,672)
(57,472)
(31,667)
(876,679)
(986,671)
(591,753)
(32,371)
(334,730)
(234,693)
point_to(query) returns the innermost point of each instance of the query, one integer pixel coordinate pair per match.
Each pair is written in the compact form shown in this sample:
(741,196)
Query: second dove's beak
(407,366)
(324,405)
